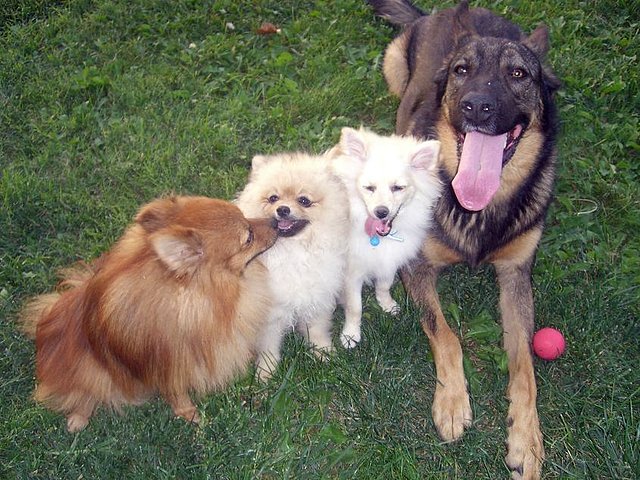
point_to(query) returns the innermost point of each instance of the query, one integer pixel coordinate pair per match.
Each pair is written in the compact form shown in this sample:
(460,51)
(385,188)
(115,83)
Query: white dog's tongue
(375,226)
(478,177)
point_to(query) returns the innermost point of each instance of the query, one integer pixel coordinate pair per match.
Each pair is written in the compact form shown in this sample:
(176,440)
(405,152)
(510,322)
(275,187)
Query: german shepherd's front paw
(451,411)
(525,450)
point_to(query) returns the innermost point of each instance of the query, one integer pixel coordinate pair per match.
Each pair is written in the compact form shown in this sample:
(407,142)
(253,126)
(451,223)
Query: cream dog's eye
(304,201)
(371,188)
(397,188)
(273,198)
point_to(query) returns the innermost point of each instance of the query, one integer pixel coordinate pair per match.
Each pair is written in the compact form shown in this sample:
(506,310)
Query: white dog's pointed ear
(426,156)
(352,143)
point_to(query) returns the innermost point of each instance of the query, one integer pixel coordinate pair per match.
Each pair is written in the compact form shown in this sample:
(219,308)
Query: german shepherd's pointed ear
(463,26)
(538,43)
(157,214)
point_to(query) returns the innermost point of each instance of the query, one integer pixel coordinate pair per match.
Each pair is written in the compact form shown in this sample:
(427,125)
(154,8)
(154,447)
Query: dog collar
(393,235)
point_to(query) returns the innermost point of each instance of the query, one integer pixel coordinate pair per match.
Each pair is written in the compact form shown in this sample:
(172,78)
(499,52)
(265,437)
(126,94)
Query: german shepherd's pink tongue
(478,177)
(375,226)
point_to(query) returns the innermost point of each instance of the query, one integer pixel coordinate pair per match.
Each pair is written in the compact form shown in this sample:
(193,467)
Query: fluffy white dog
(307,264)
(392,184)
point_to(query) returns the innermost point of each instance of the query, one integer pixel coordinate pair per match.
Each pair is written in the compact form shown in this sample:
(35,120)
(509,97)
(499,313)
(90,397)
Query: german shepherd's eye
(304,201)
(273,198)
(460,70)
(397,188)
(518,73)
(371,188)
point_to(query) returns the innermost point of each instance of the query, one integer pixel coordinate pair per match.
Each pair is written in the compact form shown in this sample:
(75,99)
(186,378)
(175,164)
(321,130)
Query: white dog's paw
(350,337)
(390,306)
(394,310)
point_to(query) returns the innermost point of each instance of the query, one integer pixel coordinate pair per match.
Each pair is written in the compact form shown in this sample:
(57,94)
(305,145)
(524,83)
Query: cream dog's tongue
(478,177)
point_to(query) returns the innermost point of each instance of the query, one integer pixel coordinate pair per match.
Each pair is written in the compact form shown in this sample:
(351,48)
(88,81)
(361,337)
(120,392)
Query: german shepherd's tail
(396,12)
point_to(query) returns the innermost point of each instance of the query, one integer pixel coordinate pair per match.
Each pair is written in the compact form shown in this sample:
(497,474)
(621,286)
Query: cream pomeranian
(307,264)
(392,184)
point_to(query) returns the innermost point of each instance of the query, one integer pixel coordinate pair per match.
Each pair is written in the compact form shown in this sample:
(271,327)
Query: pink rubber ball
(548,343)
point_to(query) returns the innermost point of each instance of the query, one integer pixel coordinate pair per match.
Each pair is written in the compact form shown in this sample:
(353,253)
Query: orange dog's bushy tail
(71,379)
(39,307)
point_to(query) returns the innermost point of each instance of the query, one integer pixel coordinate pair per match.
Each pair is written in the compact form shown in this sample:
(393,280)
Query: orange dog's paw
(190,414)
(76,422)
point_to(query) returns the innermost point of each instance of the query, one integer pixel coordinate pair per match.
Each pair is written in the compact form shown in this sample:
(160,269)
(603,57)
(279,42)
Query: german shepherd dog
(477,83)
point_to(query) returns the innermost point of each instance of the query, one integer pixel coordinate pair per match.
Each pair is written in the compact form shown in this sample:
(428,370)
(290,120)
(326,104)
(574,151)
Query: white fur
(374,168)
(306,271)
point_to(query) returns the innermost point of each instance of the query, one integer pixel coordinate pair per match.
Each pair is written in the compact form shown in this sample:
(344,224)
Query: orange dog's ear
(157,214)
(180,249)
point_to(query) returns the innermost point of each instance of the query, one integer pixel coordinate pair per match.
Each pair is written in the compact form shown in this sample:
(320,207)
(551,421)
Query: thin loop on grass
(592,210)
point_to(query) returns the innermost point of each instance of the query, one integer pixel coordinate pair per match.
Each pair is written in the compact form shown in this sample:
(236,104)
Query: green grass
(106,104)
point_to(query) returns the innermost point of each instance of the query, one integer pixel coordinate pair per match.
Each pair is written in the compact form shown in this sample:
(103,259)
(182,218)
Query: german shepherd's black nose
(381,212)
(478,107)
(283,211)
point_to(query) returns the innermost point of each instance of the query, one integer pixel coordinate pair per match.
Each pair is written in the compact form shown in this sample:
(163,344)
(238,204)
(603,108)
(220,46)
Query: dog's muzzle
(288,225)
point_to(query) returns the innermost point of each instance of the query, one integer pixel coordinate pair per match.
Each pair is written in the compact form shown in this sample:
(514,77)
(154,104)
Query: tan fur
(173,308)
(394,67)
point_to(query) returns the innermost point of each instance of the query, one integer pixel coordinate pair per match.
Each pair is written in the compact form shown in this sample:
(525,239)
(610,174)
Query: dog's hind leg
(451,407)
(525,450)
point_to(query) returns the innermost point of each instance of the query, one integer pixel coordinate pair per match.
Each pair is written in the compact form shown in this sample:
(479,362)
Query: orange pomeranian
(174,308)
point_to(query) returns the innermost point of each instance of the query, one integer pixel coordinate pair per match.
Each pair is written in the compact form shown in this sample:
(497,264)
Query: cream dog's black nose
(283,211)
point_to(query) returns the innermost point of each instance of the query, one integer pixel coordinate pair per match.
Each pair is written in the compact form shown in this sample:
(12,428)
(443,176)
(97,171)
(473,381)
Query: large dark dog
(475,82)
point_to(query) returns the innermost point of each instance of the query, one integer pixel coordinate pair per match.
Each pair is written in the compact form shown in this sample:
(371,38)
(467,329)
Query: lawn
(107,104)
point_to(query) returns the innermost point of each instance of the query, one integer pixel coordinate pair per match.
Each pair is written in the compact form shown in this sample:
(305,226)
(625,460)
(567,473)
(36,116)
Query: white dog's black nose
(283,211)
(381,212)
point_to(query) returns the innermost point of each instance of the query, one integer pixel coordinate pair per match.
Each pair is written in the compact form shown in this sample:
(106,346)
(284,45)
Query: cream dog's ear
(259,161)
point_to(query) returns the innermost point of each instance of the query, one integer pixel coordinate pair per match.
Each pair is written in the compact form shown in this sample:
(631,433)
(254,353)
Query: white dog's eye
(371,188)
(304,201)
(397,188)
(273,198)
